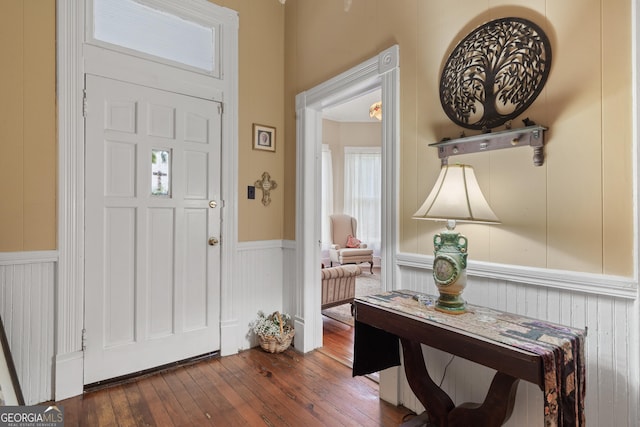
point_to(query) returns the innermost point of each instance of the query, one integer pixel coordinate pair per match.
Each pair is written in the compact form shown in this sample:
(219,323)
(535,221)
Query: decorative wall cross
(266,184)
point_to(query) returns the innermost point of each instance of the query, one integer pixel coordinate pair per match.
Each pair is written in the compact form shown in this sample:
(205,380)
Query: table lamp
(456,196)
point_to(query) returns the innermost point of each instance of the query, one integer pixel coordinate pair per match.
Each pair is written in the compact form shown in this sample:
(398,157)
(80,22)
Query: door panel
(196,167)
(195,297)
(160,241)
(119,276)
(152,281)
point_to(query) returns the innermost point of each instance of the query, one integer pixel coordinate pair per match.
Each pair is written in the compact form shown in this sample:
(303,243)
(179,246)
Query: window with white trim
(362,192)
(139,29)
(327,197)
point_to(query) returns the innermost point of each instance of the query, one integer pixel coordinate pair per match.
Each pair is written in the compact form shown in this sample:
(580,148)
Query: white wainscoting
(609,311)
(259,284)
(289,277)
(27,298)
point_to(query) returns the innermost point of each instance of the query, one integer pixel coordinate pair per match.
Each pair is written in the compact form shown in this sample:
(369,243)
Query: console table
(517,347)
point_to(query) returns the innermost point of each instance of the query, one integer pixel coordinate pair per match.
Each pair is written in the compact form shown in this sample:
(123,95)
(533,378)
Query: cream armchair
(341,227)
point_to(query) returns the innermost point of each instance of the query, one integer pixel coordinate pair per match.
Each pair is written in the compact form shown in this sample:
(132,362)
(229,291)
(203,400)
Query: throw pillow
(352,242)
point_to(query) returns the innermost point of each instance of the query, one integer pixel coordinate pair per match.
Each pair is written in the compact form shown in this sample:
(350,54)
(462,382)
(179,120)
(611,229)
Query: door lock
(213,241)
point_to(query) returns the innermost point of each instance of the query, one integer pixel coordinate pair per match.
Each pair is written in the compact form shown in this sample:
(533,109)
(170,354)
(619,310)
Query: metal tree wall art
(495,73)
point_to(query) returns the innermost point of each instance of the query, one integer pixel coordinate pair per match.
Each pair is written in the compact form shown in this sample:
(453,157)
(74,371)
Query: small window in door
(161,172)
(142,30)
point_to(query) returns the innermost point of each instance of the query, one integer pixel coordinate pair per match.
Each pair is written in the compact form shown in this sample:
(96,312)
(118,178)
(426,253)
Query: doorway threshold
(129,378)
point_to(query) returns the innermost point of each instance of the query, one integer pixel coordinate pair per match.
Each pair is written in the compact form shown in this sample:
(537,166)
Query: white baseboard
(69,381)
(298,340)
(388,388)
(229,337)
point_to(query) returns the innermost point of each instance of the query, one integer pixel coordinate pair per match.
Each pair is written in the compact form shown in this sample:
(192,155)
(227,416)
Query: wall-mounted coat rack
(532,136)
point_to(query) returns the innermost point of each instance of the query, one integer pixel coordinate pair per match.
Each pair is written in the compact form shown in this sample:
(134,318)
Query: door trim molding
(70,283)
(381,71)
(70,24)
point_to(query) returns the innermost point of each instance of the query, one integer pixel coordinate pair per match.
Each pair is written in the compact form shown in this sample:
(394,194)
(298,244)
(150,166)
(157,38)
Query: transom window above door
(155,29)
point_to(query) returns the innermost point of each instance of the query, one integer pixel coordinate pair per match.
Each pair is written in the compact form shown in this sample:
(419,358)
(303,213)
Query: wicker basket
(277,343)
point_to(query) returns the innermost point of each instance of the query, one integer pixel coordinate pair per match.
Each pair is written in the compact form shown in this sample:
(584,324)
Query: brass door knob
(213,241)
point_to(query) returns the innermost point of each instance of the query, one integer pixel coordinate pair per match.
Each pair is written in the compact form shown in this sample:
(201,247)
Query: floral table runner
(561,347)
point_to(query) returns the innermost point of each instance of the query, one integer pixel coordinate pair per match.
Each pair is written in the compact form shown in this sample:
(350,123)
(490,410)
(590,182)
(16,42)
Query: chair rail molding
(589,283)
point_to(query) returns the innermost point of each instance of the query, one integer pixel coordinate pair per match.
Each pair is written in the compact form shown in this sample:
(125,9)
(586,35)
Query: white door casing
(75,58)
(152,279)
(382,71)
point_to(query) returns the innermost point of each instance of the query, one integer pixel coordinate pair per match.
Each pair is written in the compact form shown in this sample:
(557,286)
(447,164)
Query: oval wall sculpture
(495,73)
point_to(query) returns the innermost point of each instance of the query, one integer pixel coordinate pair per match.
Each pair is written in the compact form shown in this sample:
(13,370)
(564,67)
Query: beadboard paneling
(27,294)
(611,347)
(289,276)
(259,283)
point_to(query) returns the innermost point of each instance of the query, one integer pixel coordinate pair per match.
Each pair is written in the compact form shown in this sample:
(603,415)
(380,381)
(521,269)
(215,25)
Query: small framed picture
(264,137)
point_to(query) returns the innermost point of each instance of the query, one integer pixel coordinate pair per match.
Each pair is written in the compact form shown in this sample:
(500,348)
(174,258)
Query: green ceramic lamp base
(449,269)
(452,304)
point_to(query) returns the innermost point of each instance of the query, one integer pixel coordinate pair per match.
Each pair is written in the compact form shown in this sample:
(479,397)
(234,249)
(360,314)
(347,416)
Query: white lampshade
(456,196)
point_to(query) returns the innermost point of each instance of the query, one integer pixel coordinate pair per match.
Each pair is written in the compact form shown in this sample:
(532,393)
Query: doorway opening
(351,169)
(381,72)
(351,185)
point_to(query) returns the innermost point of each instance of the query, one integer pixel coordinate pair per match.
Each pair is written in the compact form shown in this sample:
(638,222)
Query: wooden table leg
(496,408)
(493,412)
(433,398)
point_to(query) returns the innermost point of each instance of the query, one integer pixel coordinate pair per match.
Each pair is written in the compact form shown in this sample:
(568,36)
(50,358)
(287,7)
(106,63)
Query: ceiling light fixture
(375,111)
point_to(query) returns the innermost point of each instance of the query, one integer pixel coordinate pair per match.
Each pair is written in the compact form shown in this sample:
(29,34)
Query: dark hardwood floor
(337,339)
(252,388)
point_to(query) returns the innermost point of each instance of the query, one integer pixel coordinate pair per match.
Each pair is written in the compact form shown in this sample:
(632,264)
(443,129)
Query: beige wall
(28,179)
(575,212)
(28,120)
(338,135)
(261,100)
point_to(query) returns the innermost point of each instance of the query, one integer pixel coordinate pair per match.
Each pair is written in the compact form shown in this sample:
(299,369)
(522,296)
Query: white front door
(152,220)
